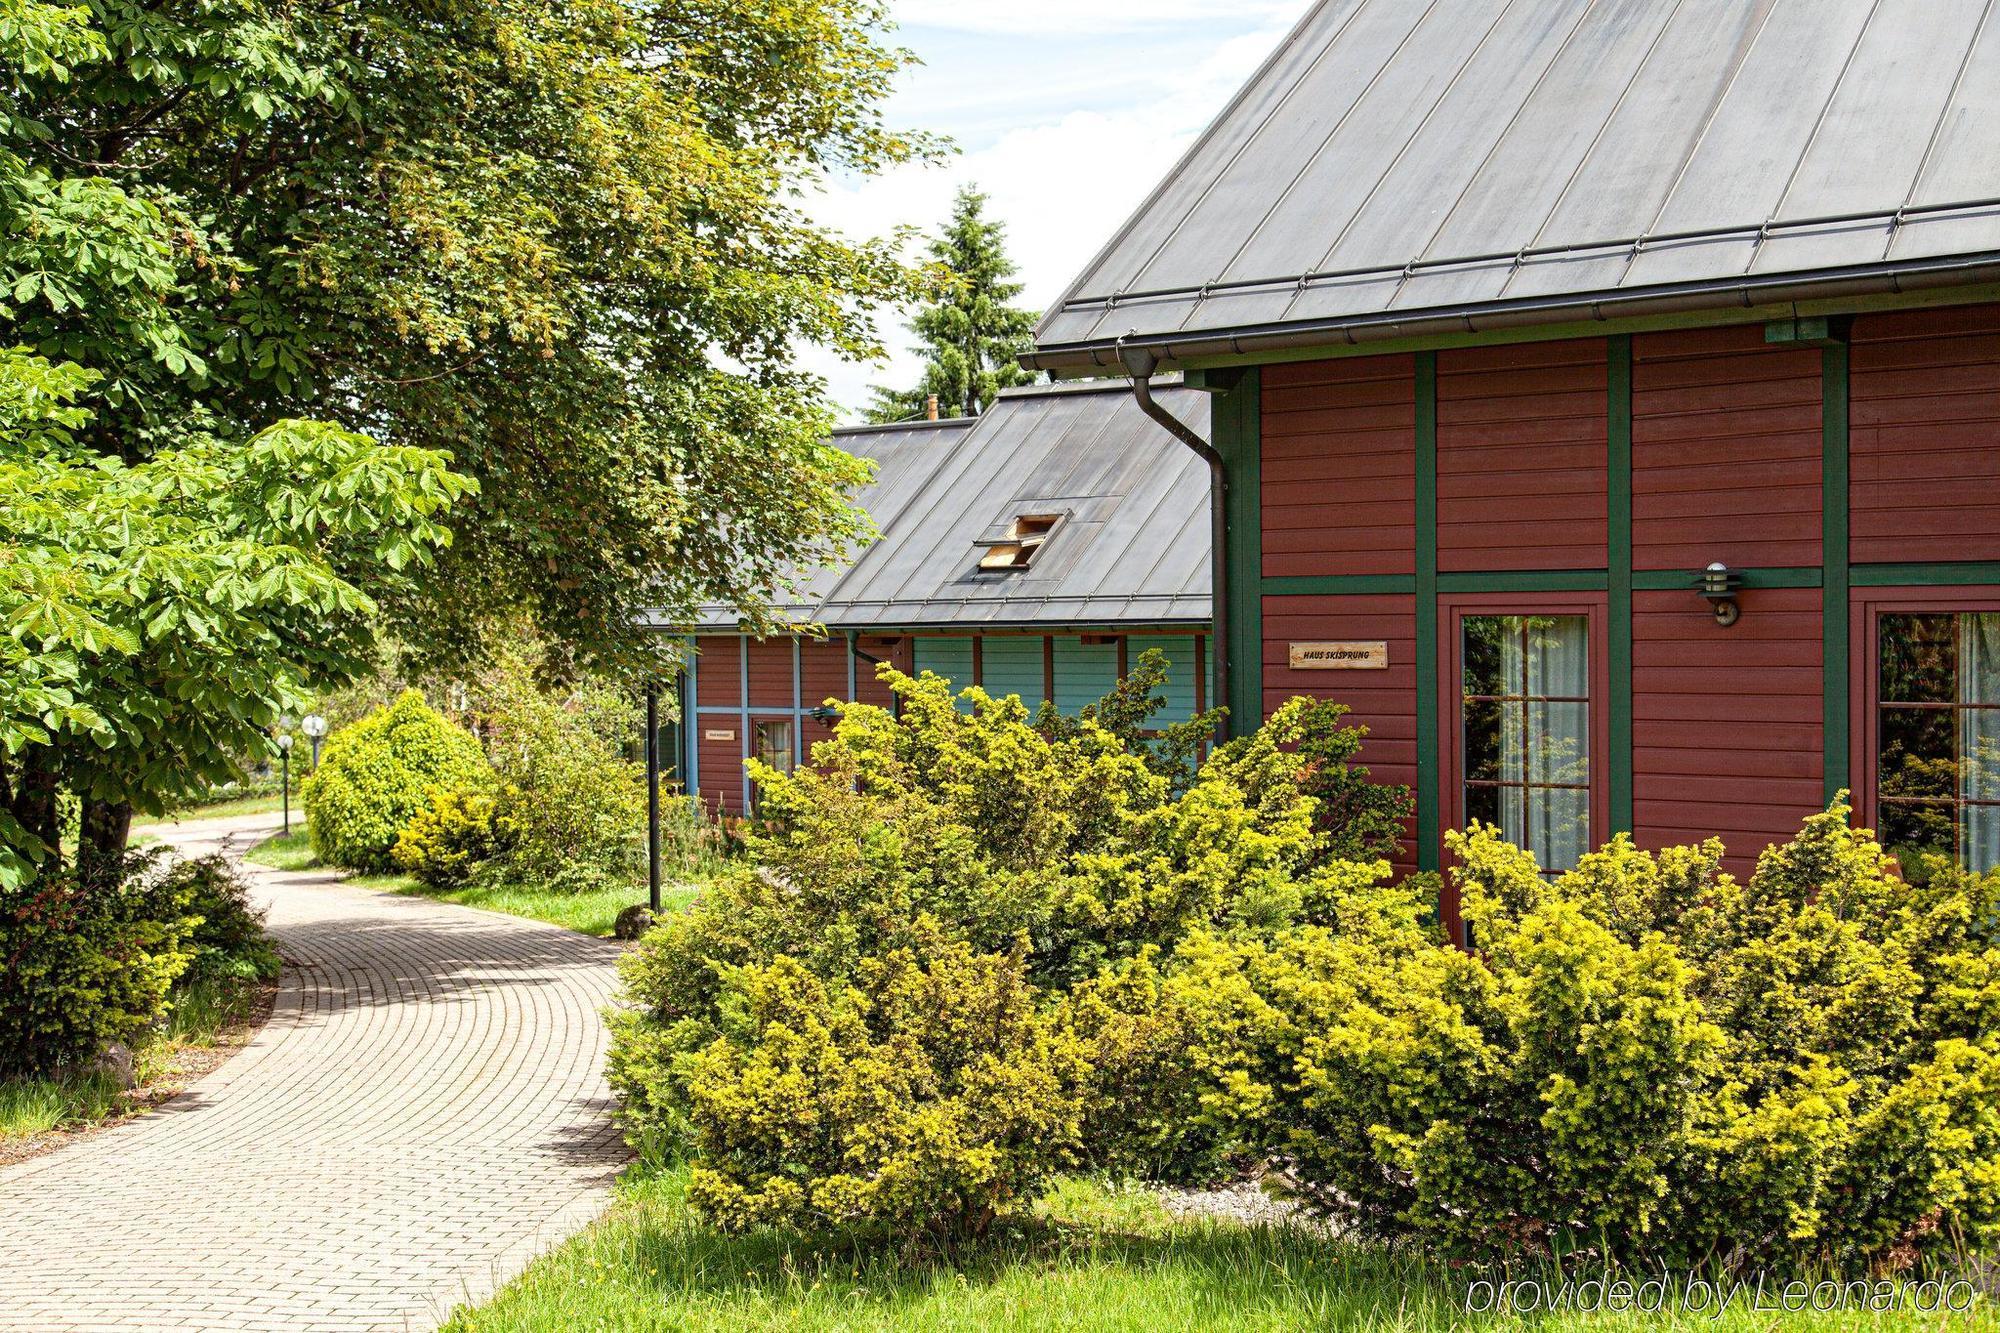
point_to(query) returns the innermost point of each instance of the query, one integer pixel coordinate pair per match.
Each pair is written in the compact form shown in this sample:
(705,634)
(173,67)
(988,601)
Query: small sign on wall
(713,734)
(1340,656)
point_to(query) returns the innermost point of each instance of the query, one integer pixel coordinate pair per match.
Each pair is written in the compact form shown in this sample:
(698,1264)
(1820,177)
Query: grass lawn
(241,805)
(1097,1260)
(591,913)
(185,1047)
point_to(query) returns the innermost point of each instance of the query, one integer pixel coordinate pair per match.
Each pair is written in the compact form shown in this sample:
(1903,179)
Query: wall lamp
(1718,583)
(826,713)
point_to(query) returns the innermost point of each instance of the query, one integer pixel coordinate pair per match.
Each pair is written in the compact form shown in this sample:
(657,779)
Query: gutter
(1141,365)
(1745,293)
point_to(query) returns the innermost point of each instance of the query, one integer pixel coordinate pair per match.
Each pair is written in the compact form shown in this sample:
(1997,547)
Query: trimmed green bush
(928,1094)
(85,964)
(376,775)
(949,858)
(449,838)
(1644,1058)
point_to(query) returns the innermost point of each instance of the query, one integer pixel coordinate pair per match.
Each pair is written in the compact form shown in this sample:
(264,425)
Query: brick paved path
(425,1110)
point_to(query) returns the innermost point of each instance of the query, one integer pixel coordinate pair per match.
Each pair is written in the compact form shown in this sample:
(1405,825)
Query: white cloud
(1066,139)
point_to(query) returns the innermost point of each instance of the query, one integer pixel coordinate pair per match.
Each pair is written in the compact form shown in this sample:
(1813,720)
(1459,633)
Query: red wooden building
(1035,550)
(1610,399)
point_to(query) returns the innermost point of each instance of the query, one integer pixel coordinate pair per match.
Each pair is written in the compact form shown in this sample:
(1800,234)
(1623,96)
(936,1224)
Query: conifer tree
(968,332)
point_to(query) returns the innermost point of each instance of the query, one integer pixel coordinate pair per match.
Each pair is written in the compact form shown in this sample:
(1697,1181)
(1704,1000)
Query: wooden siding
(896,652)
(823,671)
(1725,450)
(950,658)
(1727,733)
(1521,461)
(1924,446)
(1383,701)
(722,765)
(1012,664)
(771,673)
(1179,689)
(1085,672)
(719,671)
(1339,472)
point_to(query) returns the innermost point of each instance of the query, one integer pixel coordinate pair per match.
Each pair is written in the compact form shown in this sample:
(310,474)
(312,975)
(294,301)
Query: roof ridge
(942,423)
(1566,248)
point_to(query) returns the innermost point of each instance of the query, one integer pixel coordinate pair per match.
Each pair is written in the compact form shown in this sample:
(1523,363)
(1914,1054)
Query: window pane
(1979,754)
(1919,659)
(1559,743)
(1979,837)
(1918,754)
(1482,805)
(1913,833)
(1558,656)
(1979,658)
(1531,734)
(1483,740)
(1483,635)
(774,745)
(1559,827)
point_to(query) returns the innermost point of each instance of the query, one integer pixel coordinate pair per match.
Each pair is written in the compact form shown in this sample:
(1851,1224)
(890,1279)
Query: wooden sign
(1340,656)
(714,735)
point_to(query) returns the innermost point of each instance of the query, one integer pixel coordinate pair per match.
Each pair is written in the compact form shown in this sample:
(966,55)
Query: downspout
(1141,364)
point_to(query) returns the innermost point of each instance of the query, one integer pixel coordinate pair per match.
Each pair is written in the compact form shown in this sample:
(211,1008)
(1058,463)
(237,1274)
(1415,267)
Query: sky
(1066,113)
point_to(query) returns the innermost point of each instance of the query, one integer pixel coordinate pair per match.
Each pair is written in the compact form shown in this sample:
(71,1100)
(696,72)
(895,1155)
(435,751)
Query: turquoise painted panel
(950,658)
(1085,673)
(1012,666)
(1179,689)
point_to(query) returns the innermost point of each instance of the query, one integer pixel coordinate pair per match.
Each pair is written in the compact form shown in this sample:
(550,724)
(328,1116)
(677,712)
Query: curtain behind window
(1552,743)
(1979,739)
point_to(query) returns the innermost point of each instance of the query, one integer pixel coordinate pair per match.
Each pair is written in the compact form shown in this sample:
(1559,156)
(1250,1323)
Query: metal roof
(1131,547)
(1406,167)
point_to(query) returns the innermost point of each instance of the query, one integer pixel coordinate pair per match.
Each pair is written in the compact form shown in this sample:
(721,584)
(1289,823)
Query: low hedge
(1644,1058)
(83,964)
(377,774)
(971,953)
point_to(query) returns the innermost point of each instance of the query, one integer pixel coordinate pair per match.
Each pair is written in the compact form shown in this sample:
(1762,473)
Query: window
(1018,546)
(773,748)
(1937,738)
(1525,731)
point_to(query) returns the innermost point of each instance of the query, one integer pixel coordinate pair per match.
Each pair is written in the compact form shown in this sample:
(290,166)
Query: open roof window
(1017,546)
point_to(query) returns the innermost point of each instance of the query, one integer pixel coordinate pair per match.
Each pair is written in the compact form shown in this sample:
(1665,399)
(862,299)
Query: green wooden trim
(1834,557)
(1237,418)
(1949,574)
(1618,580)
(1523,580)
(1590,328)
(1305,585)
(1429,797)
(1774,576)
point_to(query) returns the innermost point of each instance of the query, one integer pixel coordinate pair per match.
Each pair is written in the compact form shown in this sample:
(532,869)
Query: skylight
(1024,539)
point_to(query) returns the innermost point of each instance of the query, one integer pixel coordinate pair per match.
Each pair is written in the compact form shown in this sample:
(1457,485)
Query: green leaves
(156,617)
(557,241)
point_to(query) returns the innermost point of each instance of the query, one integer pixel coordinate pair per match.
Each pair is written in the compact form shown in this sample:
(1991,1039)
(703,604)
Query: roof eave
(1604,306)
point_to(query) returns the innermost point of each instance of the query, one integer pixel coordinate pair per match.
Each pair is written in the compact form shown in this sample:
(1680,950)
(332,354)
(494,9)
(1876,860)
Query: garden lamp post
(314,726)
(285,783)
(653,798)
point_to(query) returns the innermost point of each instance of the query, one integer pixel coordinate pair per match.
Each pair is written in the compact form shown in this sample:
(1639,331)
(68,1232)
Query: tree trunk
(100,845)
(31,799)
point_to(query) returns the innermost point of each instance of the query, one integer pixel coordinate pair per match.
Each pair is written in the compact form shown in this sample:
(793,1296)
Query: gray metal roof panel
(1453,157)
(1131,549)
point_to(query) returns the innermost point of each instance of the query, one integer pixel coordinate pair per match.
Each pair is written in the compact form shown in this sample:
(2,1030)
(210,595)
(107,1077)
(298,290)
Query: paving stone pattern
(424,1112)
